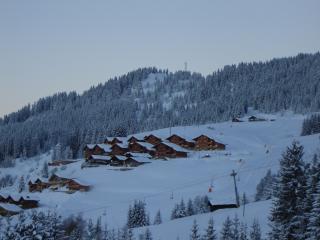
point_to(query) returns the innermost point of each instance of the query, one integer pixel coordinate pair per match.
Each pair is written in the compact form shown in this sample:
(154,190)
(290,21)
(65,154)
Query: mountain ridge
(127,104)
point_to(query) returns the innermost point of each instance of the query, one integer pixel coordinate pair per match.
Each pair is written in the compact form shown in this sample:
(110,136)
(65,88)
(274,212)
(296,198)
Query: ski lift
(171,196)
(210,187)
(104,213)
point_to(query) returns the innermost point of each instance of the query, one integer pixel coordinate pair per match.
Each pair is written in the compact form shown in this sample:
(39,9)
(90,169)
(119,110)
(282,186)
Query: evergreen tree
(243,231)
(157,219)
(236,228)
(255,233)
(285,206)
(45,170)
(22,185)
(147,235)
(226,231)
(195,231)
(137,215)
(314,224)
(210,231)
(190,210)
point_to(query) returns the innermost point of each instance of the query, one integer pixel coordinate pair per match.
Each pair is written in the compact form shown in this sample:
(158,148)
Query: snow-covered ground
(252,148)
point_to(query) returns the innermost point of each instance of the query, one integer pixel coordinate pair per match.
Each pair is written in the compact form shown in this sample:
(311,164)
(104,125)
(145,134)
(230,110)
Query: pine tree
(174,212)
(314,224)
(190,210)
(157,219)
(285,206)
(22,185)
(147,235)
(255,233)
(235,228)
(226,231)
(195,231)
(243,231)
(210,231)
(98,229)
(181,210)
(45,170)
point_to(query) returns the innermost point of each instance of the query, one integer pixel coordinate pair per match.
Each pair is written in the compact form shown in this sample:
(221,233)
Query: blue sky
(51,46)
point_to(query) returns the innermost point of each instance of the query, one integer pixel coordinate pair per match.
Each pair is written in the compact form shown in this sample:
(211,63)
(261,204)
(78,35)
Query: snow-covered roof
(105,147)
(218,199)
(90,146)
(120,157)
(101,157)
(10,207)
(175,146)
(146,144)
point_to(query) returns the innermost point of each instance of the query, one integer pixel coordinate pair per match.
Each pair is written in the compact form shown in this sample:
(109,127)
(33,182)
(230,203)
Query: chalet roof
(203,136)
(10,207)
(119,157)
(121,145)
(101,157)
(146,145)
(152,136)
(175,135)
(162,144)
(175,147)
(104,146)
(133,138)
(90,146)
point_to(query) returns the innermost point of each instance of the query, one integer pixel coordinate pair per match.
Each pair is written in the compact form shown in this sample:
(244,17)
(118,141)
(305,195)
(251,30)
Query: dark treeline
(311,125)
(129,104)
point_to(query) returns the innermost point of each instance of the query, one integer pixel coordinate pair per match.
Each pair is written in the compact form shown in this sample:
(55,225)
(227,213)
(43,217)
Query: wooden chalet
(8,210)
(74,185)
(152,139)
(137,147)
(236,120)
(37,186)
(25,203)
(130,162)
(214,207)
(117,160)
(255,119)
(118,150)
(162,150)
(112,141)
(133,139)
(95,149)
(204,142)
(99,159)
(28,203)
(176,139)
(61,162)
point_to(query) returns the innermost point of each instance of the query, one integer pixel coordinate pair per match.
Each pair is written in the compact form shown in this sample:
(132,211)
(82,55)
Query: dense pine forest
(149,98)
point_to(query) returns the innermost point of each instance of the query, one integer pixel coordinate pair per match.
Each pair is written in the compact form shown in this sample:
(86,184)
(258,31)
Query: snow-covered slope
(252,148)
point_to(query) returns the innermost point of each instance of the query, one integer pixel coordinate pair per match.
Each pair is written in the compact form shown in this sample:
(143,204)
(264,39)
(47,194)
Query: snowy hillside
(251,149)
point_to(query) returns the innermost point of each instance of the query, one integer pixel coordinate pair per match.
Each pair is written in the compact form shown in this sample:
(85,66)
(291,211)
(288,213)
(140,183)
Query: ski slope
(252,148)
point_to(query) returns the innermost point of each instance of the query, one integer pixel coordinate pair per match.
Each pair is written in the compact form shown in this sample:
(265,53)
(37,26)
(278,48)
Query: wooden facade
(236,120)
(37,186)
(22,202)
(7,211)
(76,186)
(176,139)
(136,147)
(255,119)
(117,150)
(162,150)
(152,139)
(55,182)
(206,143)
(134,139)
(112,141)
